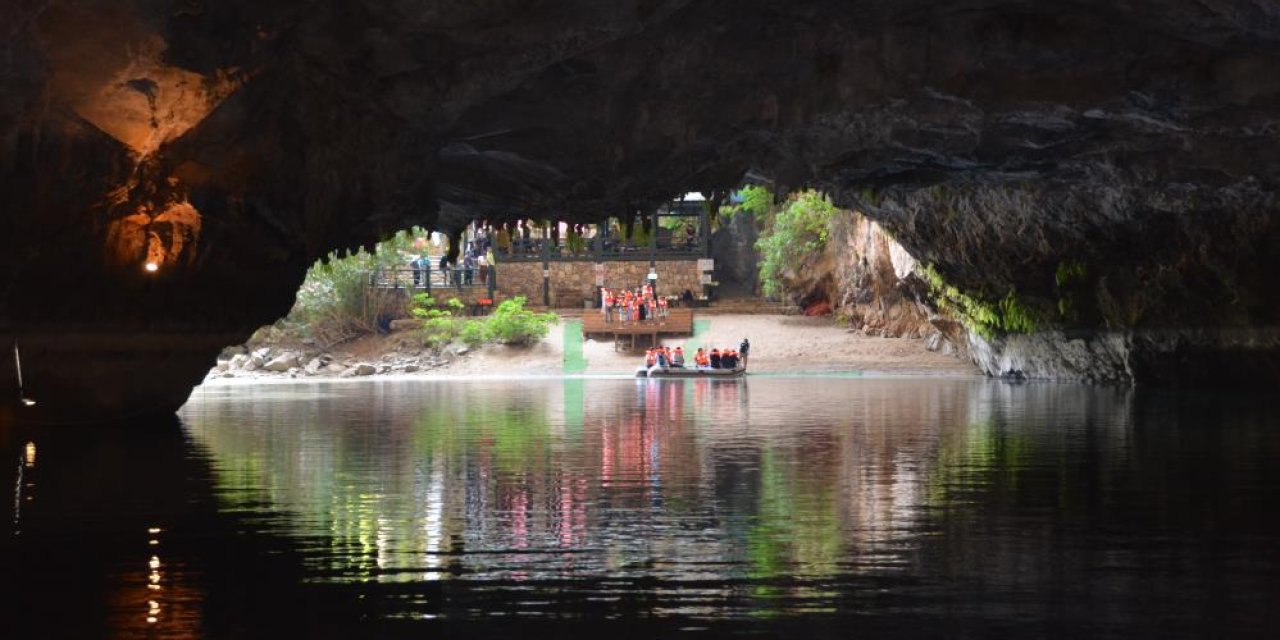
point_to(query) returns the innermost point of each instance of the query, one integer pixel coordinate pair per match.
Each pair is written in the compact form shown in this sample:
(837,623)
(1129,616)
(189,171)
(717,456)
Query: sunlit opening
(151,267)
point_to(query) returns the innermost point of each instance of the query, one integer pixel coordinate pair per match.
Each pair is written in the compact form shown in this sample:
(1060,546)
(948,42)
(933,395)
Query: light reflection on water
(709,499)
(799,505)
(663,480)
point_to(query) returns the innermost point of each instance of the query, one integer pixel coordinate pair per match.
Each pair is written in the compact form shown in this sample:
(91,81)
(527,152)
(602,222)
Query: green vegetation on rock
(797,232)
(1069,272)
(1069,277)
(1009,314)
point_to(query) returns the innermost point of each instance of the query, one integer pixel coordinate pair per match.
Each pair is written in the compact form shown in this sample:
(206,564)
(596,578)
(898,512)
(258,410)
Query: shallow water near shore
(807,506)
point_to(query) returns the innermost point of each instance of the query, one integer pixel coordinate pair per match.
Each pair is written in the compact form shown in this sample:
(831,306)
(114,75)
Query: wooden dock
(678,322)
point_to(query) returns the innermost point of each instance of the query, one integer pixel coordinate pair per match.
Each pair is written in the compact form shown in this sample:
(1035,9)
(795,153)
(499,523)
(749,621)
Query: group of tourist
(474,264)
(703,359)
(632,305)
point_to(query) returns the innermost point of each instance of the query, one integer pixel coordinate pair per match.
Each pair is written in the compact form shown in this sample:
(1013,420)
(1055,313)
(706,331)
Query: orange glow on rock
(166,239)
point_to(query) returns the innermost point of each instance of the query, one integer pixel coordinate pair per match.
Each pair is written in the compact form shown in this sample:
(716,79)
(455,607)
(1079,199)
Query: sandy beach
(779,344)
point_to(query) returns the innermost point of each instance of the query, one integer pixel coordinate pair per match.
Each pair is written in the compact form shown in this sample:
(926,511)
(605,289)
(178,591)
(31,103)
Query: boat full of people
(665,362)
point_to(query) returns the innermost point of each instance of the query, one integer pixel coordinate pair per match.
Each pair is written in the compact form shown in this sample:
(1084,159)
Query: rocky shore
(372,355)
(781,344)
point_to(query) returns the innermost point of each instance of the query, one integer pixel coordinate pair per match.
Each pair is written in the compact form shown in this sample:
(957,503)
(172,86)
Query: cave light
(151,267)
(17,366)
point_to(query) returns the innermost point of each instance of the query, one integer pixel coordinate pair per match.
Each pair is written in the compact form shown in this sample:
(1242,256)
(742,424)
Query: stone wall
(573,282)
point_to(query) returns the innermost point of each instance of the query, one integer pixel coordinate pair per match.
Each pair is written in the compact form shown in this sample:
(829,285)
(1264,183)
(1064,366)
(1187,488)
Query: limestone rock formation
(229,144)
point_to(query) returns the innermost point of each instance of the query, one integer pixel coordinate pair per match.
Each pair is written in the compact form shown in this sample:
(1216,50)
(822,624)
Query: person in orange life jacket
(650,358)
(700,358)
(729,359)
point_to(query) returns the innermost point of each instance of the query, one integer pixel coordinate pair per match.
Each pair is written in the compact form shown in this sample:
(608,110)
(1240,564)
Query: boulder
(313,366)
(282,362)
(364,369)
(935,342)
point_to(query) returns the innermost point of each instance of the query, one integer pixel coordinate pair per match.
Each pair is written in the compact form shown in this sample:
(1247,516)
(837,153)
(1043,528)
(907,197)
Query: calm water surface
(803,506)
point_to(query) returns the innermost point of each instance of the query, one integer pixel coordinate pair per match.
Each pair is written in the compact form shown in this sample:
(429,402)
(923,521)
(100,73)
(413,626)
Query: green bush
(755,200)
(439,326)
(511,323)
(335,301)
(798,232)
(474,333)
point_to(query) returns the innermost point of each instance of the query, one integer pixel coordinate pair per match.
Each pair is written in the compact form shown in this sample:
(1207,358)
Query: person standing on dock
(743,349)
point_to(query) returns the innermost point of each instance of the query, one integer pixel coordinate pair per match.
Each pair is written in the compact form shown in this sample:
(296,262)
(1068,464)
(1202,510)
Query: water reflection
(737,499)
(791,506)
(24,485)
(82,560)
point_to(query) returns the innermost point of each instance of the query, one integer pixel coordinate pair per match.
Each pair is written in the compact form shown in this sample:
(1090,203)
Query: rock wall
(232,143)
(1245,357)
(870,282)
(733,246)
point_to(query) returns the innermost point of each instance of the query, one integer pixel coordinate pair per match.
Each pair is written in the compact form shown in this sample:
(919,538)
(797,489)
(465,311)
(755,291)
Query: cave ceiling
(170,168)
(234,142)
(584,109)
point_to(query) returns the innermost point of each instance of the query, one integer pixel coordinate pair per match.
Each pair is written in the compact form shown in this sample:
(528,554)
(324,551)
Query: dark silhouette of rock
(230,144)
